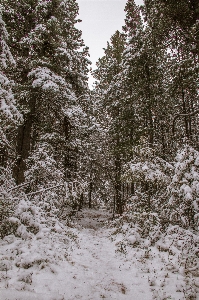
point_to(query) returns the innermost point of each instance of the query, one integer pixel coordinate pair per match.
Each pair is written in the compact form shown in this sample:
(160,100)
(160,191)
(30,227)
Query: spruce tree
(52,67)
(175,26)
(109,68)
(9,112)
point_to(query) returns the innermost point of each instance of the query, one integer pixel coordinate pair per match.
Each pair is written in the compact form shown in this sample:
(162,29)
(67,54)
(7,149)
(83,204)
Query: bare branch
(183,115)
(19,186)
(50,188)
(44,190)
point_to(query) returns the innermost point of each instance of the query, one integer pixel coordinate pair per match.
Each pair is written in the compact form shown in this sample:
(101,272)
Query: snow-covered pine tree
(167,15)
(109,84)
(9,114)
(144,70)
(52,67)
(175,26)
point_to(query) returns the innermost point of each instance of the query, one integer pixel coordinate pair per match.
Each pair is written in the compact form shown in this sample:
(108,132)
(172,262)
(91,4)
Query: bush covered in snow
(170,190)
(32,237)
(9,198)
(42,166)
(148,167)
(151,175)
(170,258)
(183,191)
(21,215)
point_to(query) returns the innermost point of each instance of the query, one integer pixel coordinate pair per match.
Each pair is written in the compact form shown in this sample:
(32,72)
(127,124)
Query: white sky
(100,20)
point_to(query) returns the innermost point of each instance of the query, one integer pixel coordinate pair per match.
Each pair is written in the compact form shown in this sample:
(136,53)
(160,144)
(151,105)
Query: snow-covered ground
(88,266)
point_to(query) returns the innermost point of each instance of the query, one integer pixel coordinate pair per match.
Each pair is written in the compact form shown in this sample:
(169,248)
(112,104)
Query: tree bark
(24,144)
(118,187)
(90,194)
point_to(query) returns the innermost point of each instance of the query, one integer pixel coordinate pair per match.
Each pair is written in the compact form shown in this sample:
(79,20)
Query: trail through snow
(92,271)
(101,273)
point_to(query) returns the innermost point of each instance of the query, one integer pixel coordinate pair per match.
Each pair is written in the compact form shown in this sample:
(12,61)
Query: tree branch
(183,115)
(44,190)
(50,188)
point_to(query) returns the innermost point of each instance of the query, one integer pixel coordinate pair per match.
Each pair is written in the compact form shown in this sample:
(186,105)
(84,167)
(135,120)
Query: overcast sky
(100,20)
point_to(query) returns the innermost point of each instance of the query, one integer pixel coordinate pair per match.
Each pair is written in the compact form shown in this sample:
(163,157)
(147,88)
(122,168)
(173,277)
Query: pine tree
(109,68)
(175,24)
(144,68)
(10,115)
(52,68)
(165,16)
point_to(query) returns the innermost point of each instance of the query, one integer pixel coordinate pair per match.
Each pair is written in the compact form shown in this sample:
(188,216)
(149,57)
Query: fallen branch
(44,190)
(50,188)
(19,186)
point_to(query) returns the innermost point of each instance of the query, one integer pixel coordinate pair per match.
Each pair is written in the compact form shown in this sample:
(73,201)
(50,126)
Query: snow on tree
(183,191)
(8,103)
(9,112)
(52,67)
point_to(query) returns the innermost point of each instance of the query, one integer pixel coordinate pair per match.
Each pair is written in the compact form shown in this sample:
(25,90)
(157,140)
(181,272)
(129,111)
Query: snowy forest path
(92,268)
(99,271)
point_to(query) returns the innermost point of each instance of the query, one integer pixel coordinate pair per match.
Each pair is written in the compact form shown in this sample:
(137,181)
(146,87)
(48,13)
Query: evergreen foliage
(150,96)
(184,188)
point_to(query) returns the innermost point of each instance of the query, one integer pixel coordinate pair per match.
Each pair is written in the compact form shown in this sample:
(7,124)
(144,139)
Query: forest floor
(94,269)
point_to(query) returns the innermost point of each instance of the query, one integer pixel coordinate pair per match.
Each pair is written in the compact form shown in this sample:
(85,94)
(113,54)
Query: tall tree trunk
(163,140)
(185,112)
(132,188)
(3,156)
(23,144)
(90,194)
(118,186)
(67,133)
(81,201)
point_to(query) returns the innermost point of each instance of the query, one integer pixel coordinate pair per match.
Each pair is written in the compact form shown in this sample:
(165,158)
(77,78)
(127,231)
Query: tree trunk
(90,194)
(81,202)
(132,188)
(3,156)
(118,187)
(185,112)
(23,144)
(67,132)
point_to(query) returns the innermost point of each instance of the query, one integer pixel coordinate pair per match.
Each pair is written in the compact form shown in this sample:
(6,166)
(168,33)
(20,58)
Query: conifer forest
(99,188)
